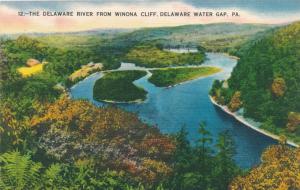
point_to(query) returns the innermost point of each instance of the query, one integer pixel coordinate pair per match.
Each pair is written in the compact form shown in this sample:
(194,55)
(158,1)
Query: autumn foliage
(293,121)
(280,169)
(76,130)
(278,87)
(235,102)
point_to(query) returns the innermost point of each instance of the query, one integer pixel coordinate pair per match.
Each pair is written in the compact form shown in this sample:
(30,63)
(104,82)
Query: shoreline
(137,101)
(147,76)
(247,124)
(191,80)
(231,56)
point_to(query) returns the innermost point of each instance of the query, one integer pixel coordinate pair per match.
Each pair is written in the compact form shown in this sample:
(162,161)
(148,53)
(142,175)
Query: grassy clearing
(172,76)
(117,86)
(29,71)
(83,72)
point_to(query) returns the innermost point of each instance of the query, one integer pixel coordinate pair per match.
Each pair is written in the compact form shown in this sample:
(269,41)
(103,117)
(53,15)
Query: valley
(132,109)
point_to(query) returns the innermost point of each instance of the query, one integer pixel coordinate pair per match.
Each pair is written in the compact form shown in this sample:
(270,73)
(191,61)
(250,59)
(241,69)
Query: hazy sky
(250,11)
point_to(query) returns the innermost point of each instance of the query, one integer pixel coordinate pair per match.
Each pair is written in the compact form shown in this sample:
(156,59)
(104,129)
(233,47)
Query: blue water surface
(188,104)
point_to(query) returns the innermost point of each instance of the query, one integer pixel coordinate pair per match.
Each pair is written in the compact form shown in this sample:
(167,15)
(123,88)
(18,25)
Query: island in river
(187,104)
(117,86)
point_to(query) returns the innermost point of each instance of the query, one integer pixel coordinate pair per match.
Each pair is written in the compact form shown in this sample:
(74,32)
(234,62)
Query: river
(188,104)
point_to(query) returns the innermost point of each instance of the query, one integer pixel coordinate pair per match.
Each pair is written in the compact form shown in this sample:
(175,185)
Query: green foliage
(21,173)
(84,147)
(267,76)
(225,169)
(20,50)
(197,167)
(52,177)
(172,76)
(151,56)
(70,40)
(15,115)
(221,37)
(118,86)
(88,177)
(62,61)
(40,87)
(214,91)
(18,172)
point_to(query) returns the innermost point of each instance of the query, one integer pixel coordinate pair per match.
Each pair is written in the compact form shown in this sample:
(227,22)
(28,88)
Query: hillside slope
(266,82)
(213,37)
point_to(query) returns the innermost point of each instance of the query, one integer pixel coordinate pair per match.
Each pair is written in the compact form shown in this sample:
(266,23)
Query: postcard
(150,95)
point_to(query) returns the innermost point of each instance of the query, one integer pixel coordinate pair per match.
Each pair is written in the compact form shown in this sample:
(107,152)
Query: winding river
(188,104)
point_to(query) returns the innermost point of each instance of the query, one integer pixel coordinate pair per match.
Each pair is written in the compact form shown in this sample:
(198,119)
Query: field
(173,76)
(117,86)
(29,71)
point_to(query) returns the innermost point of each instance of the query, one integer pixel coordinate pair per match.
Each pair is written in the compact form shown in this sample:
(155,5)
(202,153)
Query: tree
(204,157)
(235,102)
(182,159)
(267,77)
(293,121)
(278,86)
(203,143)
(225,169)
(114,139)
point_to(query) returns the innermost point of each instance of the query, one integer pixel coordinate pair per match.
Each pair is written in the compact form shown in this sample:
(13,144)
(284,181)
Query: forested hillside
(49,141)
(222,37)
(265,82)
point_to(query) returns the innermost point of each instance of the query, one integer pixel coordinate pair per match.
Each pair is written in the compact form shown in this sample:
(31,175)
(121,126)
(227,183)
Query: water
(188,104)
(183,50)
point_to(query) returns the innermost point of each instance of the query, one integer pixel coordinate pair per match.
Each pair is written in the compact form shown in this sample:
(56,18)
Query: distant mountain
(220,37)
(214,37)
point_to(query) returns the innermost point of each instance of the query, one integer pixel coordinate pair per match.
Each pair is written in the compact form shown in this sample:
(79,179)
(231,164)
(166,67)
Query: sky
(250,11)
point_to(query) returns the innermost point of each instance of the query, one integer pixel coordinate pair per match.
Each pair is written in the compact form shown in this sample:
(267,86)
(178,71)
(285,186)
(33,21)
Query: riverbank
(231,56)
(169,77)
(138,101)
(187,104)
(191,80)
(246,123)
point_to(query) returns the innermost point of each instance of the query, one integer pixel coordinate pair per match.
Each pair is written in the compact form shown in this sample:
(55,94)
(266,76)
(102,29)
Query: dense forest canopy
(267,78)
(118,86)
(153,55)
(49,141)
(222,37)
